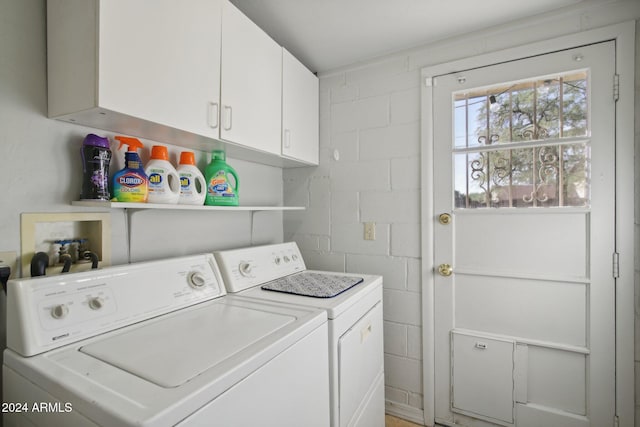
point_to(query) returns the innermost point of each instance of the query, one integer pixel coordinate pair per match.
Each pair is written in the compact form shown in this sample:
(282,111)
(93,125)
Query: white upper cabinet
(192,73)
(300,111)
(251,100)
(154,60)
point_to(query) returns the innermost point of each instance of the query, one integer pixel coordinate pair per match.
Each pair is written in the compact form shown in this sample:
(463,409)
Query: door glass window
(523,144)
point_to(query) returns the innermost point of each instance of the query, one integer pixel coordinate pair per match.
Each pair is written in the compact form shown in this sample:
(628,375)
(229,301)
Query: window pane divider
(522,144)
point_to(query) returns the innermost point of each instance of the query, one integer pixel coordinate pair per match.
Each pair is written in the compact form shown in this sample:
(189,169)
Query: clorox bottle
(130,184)
(164,183)
(220,190)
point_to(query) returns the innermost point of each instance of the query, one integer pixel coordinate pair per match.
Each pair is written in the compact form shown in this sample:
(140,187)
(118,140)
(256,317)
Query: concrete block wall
(369,172)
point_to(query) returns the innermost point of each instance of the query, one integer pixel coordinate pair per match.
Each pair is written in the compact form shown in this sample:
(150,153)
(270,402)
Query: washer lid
(171,351)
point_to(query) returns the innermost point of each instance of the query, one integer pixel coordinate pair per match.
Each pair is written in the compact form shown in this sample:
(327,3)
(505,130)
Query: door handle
(445,270)
(444,218)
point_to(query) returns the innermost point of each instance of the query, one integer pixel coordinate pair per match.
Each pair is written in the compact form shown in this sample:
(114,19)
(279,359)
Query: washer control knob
(59,311)
(96,303)
(196,280)
(277,260)
(245,268)
(286,258)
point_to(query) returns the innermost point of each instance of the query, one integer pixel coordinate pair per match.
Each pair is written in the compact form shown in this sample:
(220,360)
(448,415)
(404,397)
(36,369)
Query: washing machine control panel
(248,267)
(48,312)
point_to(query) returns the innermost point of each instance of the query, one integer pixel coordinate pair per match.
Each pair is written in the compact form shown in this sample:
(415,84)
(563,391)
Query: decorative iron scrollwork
(548,167)
(534,132)
(482,140)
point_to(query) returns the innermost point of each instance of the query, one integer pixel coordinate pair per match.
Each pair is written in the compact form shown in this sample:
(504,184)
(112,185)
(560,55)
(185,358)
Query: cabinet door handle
(287,138)
(213,115)
(228,117)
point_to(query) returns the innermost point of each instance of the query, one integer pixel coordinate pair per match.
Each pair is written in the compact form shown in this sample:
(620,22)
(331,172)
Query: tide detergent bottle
(164,183)
(131,184)
(220,190)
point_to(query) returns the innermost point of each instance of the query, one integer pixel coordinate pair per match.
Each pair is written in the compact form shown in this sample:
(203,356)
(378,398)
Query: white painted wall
(370,115)
(40,165)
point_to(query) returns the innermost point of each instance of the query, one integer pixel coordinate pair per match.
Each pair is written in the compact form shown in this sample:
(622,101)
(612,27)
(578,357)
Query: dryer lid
(174,349)
(313,284)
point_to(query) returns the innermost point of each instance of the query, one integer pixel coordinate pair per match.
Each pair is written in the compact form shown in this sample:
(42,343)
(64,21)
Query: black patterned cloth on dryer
(313,284)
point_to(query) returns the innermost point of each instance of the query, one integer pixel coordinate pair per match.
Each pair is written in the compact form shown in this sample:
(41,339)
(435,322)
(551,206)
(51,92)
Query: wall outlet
(10,258)
(369,231)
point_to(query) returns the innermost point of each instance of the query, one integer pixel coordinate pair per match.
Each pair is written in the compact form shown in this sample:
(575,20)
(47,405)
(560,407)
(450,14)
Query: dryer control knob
(59,311)
(196,280)
(245,268)
(96,303)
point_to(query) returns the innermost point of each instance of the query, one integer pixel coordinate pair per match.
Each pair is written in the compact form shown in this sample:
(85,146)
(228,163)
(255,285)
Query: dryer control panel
(47,312)
(248,267)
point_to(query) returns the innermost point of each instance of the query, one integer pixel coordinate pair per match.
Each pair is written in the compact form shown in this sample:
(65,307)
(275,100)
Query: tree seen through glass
(523,144)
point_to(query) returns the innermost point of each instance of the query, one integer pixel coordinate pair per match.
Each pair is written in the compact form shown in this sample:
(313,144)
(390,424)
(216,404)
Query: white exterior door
(524,239)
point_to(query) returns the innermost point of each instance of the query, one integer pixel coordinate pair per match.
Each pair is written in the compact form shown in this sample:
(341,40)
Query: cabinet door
(159,60)
(300,110)
(251,106)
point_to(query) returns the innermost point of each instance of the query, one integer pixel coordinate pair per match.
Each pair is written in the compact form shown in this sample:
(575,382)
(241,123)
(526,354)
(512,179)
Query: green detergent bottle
(220,191)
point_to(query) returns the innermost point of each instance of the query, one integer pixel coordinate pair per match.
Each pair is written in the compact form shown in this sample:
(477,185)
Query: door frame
(624,36)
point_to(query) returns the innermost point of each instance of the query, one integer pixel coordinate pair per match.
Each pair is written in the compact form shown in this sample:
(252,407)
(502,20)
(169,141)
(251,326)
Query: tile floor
(391,421)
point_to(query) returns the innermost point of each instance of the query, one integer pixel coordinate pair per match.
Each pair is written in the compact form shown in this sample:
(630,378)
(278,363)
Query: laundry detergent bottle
(164,183)
(96,156)
(131,184)
(221,191)
(193,188)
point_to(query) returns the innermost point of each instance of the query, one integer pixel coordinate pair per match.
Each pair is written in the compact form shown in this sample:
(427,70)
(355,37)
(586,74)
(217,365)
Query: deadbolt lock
(445,270)
(444,218)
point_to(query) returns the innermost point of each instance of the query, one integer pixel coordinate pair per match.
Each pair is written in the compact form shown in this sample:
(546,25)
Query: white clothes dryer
(160,344)
(353,303)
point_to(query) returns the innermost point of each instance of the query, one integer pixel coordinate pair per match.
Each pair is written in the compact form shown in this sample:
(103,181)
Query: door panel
(544,367)
(483,376)
(526,244)
(524,165)
(359,362)
(564,306)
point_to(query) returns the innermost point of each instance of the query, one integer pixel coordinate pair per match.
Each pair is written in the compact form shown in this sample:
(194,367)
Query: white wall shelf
(124,205)
(130,209)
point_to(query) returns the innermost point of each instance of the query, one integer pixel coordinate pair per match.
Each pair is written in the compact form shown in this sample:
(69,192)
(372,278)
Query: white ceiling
(327,34)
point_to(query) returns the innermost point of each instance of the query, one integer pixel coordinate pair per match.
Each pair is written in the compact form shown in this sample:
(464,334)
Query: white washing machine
(159,344)
(353,303)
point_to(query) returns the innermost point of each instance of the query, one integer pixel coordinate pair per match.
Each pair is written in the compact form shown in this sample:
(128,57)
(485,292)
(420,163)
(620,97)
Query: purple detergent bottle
(96,157)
